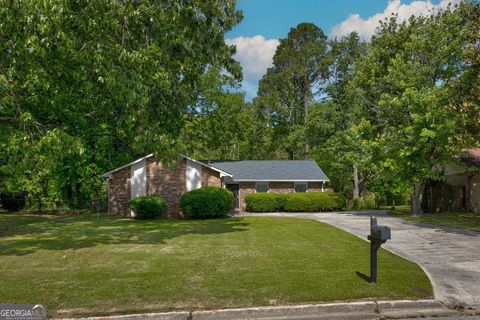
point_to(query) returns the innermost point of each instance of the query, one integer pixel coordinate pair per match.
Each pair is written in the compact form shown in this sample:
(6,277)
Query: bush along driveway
(88,266)
(450,257)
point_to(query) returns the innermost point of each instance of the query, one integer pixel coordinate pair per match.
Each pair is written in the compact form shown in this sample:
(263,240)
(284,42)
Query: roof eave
(109,173)
(224,173)
(281,180)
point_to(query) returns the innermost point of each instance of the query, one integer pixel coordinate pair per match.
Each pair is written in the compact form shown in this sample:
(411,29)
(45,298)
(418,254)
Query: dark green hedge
(148,207)
(207,202)
(266,202)
(294,202)
(314,202)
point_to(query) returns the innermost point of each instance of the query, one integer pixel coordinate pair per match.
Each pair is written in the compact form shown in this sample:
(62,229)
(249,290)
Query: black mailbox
(378,235)
(377,232)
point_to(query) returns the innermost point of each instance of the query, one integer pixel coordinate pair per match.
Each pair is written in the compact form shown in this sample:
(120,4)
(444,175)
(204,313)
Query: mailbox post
(378,235)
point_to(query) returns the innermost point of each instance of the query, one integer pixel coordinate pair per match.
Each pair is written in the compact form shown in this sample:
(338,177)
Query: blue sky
(266,21)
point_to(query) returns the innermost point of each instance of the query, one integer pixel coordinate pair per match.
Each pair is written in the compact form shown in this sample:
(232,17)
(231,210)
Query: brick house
(145,176)
(460,188)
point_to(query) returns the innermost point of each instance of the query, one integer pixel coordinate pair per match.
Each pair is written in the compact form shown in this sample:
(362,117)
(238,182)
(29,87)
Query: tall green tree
(116,77)
(292,85)
(221,125)
(409,80)
(468,85)
(336,127)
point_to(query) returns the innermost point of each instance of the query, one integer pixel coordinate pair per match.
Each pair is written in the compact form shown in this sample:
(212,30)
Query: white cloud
(255,55)
(366,27)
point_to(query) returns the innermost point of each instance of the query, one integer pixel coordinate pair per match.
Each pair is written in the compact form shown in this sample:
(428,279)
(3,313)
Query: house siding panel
(194,175)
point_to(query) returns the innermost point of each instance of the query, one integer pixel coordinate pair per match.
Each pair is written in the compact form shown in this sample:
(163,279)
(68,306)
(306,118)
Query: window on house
(300,187)
(261,187)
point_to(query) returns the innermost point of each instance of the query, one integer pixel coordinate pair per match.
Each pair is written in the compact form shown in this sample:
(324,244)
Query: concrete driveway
(450,257)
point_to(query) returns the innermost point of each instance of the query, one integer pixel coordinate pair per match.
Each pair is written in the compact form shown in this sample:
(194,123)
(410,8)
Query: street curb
(327,311)
(364,309)
(414,309)
(176,315)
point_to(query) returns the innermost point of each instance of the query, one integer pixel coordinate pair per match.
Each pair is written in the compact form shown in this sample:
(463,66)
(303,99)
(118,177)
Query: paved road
(450,257)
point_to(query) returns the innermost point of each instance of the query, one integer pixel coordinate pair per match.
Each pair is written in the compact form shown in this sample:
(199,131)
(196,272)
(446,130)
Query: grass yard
(463,220)
(85,265)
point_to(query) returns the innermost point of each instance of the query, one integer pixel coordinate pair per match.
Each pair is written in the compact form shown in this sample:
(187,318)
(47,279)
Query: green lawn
(464,220)
(87,266)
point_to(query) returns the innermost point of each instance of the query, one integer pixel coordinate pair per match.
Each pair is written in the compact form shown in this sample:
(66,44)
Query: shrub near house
(148,207)
(207,202)
(313,202)
(294,202)
(266,202)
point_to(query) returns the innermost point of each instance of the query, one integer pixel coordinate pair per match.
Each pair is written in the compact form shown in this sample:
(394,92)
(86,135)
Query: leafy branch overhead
(116,77)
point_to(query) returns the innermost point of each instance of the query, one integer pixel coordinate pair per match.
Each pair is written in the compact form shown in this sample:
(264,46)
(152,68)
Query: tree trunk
(356,183)
(362,188)
(306,146)
(290,124)
(69,194)
(306,150)
(416,199)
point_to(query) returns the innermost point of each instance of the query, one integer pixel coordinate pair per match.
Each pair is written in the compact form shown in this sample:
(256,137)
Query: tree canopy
(87,86)
(292,85)
(391,112)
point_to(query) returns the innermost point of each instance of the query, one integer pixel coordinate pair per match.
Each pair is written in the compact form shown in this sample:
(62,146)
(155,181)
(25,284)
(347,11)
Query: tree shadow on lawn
(22,235)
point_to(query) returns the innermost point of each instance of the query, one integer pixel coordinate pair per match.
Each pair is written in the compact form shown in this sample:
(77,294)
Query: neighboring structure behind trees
(460,191)
(145,176)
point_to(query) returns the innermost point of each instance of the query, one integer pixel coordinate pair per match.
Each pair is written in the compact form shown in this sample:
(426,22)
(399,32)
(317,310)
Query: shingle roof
(257,170)
(270,170)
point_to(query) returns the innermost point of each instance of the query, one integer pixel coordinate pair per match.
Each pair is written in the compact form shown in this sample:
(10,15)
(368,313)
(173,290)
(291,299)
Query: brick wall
(281,187)
(119,192)
(210,178)
(168,183)
(244,188)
